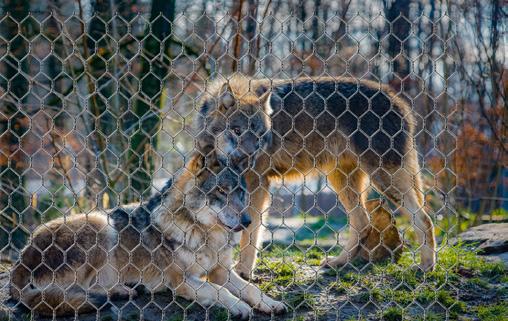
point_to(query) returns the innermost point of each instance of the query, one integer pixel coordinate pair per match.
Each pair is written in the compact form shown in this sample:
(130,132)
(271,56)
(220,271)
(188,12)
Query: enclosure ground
(465,286)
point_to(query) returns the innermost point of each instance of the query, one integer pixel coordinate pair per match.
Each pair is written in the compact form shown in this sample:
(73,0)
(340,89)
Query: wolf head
(234,120)
(215,193)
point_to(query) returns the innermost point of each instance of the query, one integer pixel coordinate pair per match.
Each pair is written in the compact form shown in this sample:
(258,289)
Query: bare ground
(376,292)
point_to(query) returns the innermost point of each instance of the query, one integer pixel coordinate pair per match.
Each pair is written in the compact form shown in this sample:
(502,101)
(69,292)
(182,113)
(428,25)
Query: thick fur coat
(356,133)
(181,240)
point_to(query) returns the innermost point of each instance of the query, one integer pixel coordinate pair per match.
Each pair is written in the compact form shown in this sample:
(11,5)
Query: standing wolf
(356,133)
(181,236)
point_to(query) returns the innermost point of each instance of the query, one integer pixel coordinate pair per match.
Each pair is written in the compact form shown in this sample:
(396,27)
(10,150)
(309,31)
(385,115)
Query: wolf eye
(221,191)
(237,131)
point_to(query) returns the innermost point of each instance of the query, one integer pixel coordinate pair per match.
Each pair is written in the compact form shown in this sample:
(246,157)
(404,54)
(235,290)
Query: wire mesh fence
(256,159)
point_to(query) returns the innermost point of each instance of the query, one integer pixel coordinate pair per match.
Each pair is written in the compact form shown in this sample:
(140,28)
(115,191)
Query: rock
(487,238)
(383,241)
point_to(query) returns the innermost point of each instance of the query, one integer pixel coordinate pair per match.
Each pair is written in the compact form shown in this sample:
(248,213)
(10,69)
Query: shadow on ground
(464,286)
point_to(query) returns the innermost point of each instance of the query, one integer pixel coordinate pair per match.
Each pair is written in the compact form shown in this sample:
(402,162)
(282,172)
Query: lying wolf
(356,133)
(182,235)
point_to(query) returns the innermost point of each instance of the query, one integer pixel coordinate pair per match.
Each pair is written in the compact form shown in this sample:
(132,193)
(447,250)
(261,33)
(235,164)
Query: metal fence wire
(256,159)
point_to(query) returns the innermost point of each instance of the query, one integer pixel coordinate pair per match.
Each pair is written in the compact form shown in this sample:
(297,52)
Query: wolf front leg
(246,291)
(251,237)
(208,294)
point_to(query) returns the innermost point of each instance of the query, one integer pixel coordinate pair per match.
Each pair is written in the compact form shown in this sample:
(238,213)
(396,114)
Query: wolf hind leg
(352,192)
(56,301)
(403,187)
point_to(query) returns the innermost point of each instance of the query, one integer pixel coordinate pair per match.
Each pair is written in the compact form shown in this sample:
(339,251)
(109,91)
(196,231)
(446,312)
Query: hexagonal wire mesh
(270,144)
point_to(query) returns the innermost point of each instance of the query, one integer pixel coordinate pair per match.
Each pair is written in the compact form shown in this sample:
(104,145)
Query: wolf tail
(55,301)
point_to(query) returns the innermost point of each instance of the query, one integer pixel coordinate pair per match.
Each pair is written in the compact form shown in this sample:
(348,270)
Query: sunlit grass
(395,286)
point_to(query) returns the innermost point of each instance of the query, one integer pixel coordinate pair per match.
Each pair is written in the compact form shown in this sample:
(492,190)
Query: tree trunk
(250,32)
(399,27)
(13,124)
(155,67)
(98,104)
(237,42)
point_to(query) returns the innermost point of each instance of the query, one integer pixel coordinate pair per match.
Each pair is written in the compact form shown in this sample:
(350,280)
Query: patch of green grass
(402,297)
(267,286)
(281,272)
(453,258)
(450,302)
(359,318)
(298,300)
(495,312)
(309,255)
(477,282)
(400,272)
(428,295)
(108,318)
(352,277)
(431,316)
(502,291)
(371,294)
(342,287)
(451,261)
(184,303)
(457,269)
(492,269)
(500,212)
(392,314)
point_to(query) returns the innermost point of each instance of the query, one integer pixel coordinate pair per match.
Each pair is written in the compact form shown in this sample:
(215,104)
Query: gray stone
(488,238)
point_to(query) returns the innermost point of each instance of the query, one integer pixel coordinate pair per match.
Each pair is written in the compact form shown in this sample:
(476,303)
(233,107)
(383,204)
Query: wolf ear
(264,98)
(227,100)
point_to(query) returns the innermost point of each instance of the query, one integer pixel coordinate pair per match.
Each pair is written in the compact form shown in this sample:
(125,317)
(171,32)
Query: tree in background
(155,66)
(398,28)
(14,122)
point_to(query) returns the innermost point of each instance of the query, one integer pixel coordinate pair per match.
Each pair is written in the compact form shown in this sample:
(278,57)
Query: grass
(299,300)
(458,287)
(393,314)
(279,272)
(494,312)
(464,286)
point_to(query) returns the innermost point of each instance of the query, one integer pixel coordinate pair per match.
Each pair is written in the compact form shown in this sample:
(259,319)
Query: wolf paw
(245,273)
(333,262)
(269,306)
(240,310)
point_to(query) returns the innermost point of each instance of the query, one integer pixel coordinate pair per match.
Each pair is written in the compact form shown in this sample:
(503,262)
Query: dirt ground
(464,287)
